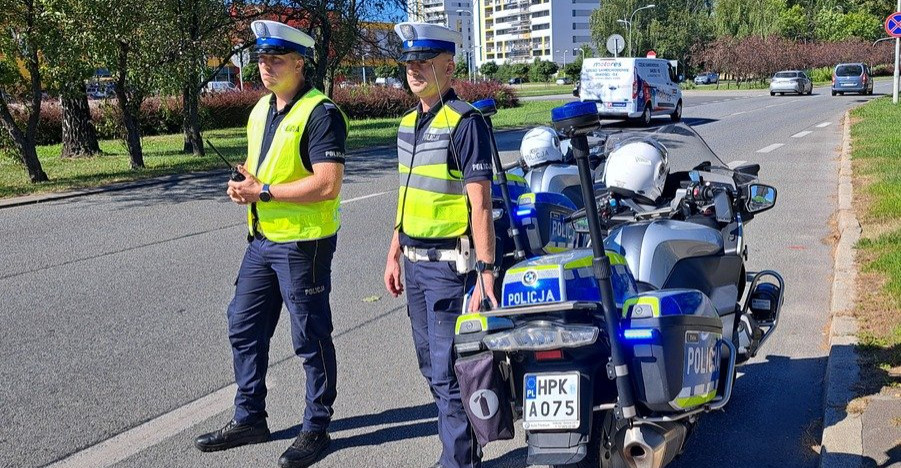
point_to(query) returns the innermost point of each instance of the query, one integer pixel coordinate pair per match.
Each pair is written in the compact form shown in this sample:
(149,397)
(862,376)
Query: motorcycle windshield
(685,149)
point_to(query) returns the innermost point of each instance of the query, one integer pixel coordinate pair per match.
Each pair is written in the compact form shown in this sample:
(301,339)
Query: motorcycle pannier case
(543,218)
(672,342)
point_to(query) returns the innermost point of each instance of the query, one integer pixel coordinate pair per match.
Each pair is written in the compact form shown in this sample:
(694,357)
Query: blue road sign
(893,24)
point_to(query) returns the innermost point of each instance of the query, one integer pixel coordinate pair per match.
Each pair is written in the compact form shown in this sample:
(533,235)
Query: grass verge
(162,154)
(876,158)
(542,89)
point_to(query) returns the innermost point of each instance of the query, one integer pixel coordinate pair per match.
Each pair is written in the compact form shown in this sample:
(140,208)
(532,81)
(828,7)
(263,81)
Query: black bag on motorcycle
(485,398)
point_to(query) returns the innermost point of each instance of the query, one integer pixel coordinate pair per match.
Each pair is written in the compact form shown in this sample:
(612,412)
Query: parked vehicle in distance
(707,78)
(563,81)
(390,82)
(632,88)
(220,87)
(790,81)
(852,78)
(514,81)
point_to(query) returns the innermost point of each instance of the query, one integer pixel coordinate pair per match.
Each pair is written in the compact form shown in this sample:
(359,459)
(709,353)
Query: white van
(632,88)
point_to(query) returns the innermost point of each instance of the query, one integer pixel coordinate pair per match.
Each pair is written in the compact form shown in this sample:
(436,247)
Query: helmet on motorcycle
(540,145)
(637,169)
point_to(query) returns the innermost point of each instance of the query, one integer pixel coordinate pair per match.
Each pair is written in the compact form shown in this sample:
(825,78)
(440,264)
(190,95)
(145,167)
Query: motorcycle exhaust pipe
(653,445)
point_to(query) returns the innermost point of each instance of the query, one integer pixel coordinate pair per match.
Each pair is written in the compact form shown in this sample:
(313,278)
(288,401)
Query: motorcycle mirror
(760,197)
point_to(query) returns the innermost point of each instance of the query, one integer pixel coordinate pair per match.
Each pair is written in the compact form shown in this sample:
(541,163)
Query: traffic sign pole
(893,28)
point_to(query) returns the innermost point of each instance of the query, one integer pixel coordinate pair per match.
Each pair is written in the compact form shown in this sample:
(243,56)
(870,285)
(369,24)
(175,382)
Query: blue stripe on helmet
(276,42)
(431,44)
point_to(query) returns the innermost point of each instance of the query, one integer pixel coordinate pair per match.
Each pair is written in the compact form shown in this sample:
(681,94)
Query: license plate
(551,401)
(848,84)
(619,104)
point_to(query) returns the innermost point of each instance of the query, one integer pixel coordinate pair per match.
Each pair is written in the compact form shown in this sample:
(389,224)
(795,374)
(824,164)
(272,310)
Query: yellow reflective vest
(285,221)
(432,201)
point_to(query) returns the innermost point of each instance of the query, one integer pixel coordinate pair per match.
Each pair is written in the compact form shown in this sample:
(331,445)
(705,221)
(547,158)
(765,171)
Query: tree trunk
(26,150)
(79,135)
(191,119)
(130,106)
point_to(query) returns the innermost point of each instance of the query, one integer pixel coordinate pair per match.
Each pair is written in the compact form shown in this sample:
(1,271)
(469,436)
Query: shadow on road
(390,416)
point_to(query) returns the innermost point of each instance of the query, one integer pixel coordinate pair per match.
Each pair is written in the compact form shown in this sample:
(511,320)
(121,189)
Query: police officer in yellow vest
(294,168)
(444,226)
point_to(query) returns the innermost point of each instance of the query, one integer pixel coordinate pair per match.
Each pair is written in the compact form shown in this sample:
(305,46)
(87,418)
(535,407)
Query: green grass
(162,154)
(876,156)
(542,89)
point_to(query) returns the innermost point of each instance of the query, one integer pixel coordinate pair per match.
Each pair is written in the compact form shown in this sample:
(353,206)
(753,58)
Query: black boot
(306,450)
(232,435)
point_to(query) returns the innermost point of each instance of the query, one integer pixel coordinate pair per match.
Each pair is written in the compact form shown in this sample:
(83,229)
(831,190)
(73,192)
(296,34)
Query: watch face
(265,196)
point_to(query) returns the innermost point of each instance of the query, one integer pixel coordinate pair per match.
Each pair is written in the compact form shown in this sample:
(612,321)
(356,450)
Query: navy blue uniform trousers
(434,301)
(297,274)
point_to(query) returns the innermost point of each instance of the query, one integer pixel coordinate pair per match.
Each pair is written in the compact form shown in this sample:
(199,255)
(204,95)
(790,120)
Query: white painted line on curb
(371,195)
(824,124)
(802,134)
(132,441)
(770,148)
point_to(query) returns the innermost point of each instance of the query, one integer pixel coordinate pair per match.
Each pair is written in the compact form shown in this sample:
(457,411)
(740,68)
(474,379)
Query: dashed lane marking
(824,124)
(770,148)
(802,134)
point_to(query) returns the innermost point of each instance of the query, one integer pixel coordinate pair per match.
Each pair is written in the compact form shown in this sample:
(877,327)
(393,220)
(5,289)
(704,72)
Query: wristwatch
(265,194)
(482,267)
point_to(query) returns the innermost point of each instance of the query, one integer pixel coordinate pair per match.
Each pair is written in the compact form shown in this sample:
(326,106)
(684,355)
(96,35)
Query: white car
(220,86)
(632,88)
(790,81)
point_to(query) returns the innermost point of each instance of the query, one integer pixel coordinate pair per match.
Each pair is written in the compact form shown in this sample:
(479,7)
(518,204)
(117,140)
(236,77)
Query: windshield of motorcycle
(685,149)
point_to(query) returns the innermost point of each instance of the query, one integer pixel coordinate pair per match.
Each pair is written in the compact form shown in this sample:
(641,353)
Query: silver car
(790,81)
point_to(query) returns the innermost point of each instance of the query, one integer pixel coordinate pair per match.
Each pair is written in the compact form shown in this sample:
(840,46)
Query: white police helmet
(637,169)
(540,145)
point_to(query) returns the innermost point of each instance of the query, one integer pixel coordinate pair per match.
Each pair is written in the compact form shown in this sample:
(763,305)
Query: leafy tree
(386,71)
(67,68)
(574,70)
(742,18)
(461,69)
(542,71)
(22,43)
(488,69)
(795,23)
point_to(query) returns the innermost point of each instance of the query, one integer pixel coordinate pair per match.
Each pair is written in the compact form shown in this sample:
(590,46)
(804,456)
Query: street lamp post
(564,56)
(364,69)
(629,23)
(468,59)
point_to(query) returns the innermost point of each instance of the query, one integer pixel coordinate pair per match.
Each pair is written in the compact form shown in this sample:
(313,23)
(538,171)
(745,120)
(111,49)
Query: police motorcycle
(608,369)
(528,222)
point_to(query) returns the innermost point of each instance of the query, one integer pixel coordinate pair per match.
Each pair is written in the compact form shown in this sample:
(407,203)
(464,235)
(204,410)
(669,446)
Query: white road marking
(802,134)
(824,124)
(770,148)
(132,441)
(738,113)
(371,195)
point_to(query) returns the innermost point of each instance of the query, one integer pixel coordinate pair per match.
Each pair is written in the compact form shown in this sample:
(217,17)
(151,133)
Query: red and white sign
(652,54)
(893,24)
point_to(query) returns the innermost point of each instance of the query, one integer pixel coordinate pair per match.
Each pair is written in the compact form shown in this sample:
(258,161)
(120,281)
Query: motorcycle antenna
(575,120)
(236,175)
(488,107)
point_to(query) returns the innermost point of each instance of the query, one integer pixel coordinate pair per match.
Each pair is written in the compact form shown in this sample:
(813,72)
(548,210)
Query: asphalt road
(114,345)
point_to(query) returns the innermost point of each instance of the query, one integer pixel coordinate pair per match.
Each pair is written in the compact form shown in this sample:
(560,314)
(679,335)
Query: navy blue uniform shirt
(472,143)
(323,138)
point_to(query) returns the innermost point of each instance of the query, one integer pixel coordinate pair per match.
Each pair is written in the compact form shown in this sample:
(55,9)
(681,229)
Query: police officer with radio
(292,181)
(444,226)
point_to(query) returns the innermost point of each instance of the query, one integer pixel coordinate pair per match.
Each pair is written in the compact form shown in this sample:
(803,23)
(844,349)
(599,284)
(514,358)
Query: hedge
(227,110)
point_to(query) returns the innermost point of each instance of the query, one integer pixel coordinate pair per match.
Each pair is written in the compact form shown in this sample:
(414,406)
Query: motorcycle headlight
(542,337)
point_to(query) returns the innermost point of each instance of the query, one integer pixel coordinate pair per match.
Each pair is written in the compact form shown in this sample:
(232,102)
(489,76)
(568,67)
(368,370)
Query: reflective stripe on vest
(284,221)
(432,201)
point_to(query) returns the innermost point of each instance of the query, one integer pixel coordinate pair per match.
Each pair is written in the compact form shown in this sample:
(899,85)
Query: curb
(842,439)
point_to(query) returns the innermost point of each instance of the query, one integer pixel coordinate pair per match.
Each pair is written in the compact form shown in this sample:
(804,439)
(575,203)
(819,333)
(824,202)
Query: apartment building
(455,14)
(519,31)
